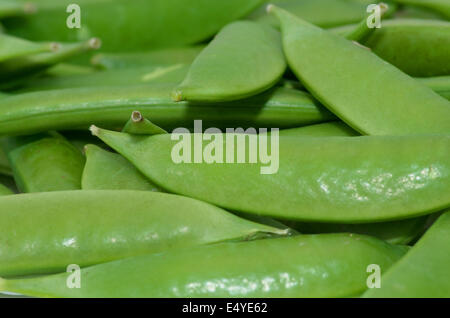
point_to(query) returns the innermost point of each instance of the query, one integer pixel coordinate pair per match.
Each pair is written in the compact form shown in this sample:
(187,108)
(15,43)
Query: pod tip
(383,7)
(177,95)
(94,130)
(55,46)
(136,116)
(269,8)
(95,43)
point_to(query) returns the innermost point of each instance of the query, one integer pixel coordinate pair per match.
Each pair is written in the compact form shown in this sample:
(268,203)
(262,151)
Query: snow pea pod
(4,163)
(134,26)
(440,84)
(48,163)
(324,179)
(440,6)
(370,95)
(334,128)
(242,47)
(169,56)
(300,266)
(423,271)
(11,8)
(417,47)
(139,125)
(12,47)
(78,108)
(105,170)
(123,77)
(4,190)
(91,227)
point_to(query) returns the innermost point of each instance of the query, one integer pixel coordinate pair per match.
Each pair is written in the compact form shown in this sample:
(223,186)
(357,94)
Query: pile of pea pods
(92,203)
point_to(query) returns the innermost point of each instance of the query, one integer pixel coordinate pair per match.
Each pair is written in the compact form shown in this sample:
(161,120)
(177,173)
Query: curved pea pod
(113,78)
(45,163)
(12,47)
(13,71)
(139,125)
(299,266)
(242,47)
(335,128)
(417,47)
(134,26)
(4,190)
(78,108)
(169,56)
(423,271)
(370,95)
(105,170)
(91,227)
(325,179)
(440,84)
(11,8)
(440,6)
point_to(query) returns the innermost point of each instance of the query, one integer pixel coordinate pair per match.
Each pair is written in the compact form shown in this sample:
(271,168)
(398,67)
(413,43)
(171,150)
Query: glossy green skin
(48,164)
(132,26)
(424,271)
(397,232)
(440,84)
(324,179)
(111,107)
(418,13)
(417,47)
(368,94)
(334,128)
(324,13)
(242,47)
(91,227)
(114,78)
(4,190)
(300,266)
(440,6)
(12,47)
(66,69)
(105,170)
(170,56)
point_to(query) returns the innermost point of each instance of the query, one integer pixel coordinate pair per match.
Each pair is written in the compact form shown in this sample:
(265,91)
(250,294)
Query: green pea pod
(327,179)
(242,47)
(4,190)
(123,77)
(105,170)
(81,138)
(362,31)
(4,163)
(325,13)
(334,128)
(13,70)
(423,272)
(133,26)
(440,84)
(301,266)
(12,47)
(91,227)
(11,8)
(417,47)
(139,125)
(370,95)
(440,6)
(408,12)
(66,69)
(45,164)
(78,108)
(169,56)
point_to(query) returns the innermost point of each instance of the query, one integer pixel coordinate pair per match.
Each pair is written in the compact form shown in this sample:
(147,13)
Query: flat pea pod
(440,84)
(134,26)
(440,6)
(12,47)
(114,78)
(242,47)
(168,56)
(91,227)
(324,179)
(4,190)
(368,94)
(47,163)
(417,47)
(105,170)
(300,266)
(13,71)
(334,128)
(78,108)
(423,271)
(11,8)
